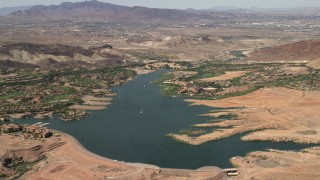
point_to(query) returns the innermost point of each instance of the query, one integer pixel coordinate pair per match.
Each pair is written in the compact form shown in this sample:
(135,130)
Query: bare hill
(8,64)
(300,51)
(57,55)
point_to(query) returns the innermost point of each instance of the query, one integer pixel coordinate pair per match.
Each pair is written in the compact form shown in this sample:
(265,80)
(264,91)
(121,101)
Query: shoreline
(254,163)
(80,147)
(269,114)
(74,160)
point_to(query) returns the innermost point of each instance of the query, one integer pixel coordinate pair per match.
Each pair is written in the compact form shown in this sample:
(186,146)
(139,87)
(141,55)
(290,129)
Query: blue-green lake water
(134,127)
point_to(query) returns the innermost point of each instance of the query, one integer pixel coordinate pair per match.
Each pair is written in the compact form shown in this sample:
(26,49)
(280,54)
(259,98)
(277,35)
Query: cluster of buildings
(28,131)
(10,128)
(191,90)
(61,30)
(37,131)
(26,98)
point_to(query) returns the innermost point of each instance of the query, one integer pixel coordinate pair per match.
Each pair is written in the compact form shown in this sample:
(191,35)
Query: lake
(134,128)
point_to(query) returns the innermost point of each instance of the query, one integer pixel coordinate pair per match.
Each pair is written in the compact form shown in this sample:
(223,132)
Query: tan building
(10,128)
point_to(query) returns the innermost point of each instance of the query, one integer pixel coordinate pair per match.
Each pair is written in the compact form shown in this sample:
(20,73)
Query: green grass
(58,97)
(289,80)
(67,91)
(170,89)
(192,131)
(206,75)
(21,167)
(203,74)
(84,82)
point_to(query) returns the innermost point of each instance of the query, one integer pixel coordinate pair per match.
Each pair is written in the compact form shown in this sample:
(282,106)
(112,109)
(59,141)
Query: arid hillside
(8,64)
(300,51)
(57,55)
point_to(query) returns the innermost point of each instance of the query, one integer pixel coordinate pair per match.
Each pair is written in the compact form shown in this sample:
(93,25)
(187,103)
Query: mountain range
(7,10)
(107,11)
(99,10)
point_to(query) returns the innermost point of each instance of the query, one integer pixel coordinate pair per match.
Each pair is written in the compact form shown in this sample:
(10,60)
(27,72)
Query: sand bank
(93,103)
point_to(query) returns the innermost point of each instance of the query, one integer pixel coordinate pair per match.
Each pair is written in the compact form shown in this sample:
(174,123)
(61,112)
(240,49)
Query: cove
(134,127)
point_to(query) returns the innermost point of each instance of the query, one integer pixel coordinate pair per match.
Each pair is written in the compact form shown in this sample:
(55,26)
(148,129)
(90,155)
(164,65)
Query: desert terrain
(275,164)
(274,114)
(259,70)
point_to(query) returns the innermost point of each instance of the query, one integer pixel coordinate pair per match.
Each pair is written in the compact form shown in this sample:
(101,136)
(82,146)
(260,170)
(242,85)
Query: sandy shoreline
(271,114)
(73,161)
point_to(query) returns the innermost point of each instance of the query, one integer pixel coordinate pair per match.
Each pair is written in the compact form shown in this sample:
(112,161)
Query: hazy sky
(181,4)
